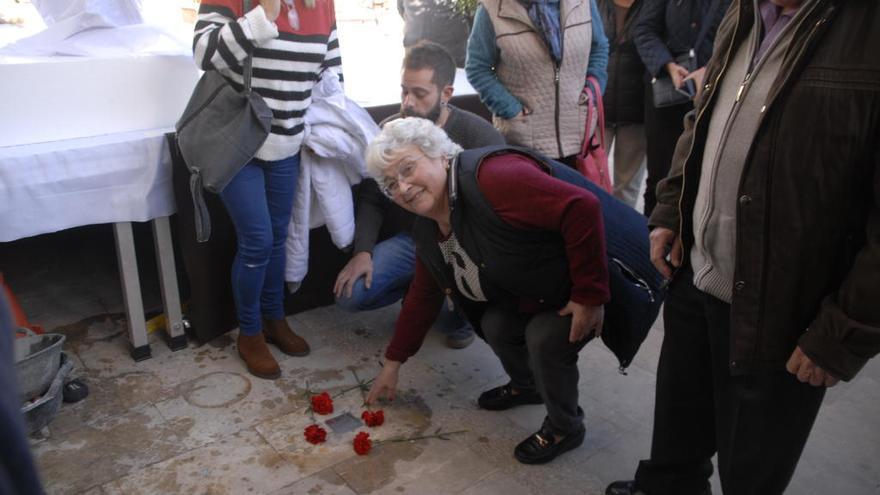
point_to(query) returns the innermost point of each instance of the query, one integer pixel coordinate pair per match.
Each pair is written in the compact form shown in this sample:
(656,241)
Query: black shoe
(542,447)
(629,488)
(623,488)
(501,398)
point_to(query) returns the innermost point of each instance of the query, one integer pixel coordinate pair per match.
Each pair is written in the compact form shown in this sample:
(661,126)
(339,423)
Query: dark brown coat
(807,266)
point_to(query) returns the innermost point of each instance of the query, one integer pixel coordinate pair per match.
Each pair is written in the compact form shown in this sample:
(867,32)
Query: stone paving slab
(238,464)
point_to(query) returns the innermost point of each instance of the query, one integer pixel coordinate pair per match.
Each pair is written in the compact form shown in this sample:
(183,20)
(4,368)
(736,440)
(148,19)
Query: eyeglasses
(391,184)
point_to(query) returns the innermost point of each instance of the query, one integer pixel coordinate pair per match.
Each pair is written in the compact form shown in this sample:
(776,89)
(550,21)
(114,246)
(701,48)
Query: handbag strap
(593,83)
(248,62)
(600,107)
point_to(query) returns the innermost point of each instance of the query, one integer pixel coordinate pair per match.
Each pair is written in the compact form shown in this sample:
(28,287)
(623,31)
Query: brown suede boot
(278,332)
(255,353)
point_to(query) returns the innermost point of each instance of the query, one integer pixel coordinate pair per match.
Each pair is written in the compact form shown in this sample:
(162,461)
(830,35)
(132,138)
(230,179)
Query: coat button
(707,86)
(482,265)
(745,199)
(739,285)
(541,301)
(733,364)
(448,291)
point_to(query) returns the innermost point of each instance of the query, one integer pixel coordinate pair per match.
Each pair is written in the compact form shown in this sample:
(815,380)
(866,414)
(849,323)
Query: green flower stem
(438,434)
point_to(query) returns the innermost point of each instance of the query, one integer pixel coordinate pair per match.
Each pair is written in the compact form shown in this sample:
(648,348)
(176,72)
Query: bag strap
(600,107)
(585,144)
(593,102)
(248,62)
(201,215)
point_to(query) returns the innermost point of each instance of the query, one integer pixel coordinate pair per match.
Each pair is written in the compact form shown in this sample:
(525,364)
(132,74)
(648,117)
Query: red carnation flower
(373,418)
(315,434)
(322,403)
(362,443)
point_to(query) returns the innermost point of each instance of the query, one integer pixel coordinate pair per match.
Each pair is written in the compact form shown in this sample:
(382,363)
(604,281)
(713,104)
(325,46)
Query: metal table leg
(176,339)
(131,290)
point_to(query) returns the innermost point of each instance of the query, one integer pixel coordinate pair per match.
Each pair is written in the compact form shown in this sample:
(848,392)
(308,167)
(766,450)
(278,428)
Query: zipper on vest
(558,137)
(742,86)
(713,87)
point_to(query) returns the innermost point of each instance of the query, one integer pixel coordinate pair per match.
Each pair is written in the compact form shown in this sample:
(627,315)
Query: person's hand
(385,385)
(360,265)
(697,77)
(677,73)
(272,8)
(585,320)
(664,241)
(807,371)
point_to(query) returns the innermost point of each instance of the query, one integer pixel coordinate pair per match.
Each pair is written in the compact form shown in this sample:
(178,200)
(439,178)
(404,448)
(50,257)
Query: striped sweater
(287,61)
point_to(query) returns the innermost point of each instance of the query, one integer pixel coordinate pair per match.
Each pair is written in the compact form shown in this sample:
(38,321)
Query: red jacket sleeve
(528,198)
(420,308)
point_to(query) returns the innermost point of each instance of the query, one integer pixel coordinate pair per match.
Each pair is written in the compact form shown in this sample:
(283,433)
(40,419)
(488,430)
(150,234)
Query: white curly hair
(400,133)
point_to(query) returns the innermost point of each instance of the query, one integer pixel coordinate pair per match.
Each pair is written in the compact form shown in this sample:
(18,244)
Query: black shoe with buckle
(623,488)
(629,488)
(501,398)
(542,447)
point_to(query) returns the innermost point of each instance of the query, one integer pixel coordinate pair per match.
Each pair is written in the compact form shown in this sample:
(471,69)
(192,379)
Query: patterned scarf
(546,21)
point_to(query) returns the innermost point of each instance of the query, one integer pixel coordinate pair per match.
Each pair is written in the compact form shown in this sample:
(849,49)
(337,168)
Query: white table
(117,178)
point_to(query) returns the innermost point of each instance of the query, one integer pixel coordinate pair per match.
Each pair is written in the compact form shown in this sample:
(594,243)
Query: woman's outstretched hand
(385,385)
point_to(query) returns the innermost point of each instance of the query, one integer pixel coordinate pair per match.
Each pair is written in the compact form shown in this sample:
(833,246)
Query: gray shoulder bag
(220,131)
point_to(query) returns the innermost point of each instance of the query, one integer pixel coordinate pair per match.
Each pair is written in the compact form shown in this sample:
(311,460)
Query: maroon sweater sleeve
(528,198)
(420,308)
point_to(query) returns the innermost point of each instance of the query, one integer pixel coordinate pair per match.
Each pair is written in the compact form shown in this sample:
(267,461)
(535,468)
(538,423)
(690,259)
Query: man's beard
(433,114)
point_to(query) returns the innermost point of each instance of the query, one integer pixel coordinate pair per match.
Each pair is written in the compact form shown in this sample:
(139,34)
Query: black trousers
(663,126)
(757,423)
(536,354)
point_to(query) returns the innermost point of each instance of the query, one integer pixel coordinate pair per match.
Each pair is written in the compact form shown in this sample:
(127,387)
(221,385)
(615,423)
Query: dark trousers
(757,423)
(663,126)
(536,354)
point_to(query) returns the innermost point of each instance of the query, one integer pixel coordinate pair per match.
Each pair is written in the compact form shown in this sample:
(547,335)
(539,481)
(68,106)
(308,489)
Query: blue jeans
(394,265)
(259,200)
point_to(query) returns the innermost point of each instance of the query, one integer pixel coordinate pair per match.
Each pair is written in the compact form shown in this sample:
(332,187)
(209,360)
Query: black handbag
(220,131)
(664,91)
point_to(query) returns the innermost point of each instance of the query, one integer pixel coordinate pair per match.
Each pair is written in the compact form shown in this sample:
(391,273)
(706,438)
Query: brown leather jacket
(807,266)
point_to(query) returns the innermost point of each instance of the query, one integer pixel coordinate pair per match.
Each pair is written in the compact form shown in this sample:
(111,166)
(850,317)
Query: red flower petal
(373,418)
(322,403)
(315,434)
(362,443)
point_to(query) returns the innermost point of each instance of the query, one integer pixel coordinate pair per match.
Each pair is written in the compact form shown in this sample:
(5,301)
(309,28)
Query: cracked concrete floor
(194,421)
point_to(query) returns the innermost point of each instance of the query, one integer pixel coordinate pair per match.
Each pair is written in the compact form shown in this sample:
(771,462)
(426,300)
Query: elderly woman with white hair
(520,250)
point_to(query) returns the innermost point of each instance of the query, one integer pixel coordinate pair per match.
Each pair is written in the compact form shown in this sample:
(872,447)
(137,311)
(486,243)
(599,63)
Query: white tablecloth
(47,187)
